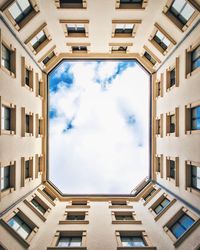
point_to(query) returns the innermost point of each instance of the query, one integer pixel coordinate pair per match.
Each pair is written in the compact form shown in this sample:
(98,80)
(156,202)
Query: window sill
(72,248)
(126,222)
(7,71)
(28,87)
(193,190)
(76,35)
(78,206)
(7,132)
(28,134)
(189,132)
(6,192)
(118,206)
(63,222)
(192,73)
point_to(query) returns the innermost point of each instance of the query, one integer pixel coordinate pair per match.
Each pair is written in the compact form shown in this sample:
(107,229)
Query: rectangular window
(159,126)
(79,49)
(119,49)
(181,225)
(48,58)
(27,169)
(75,216)
(132,241)
(51,197)
(149,58)
(67,241)
(195,118)
(161,206)
(27,77)
(172,75)
(79,203)
(38,206)
(71,4)
(161,40)
(124,217)
(28,118)
(159,164)
(124,29)
(195,58)
(131,4)
(20,226)
(151,192)
(75,28)
(5,178)
(172,123)
(38,40)
(5,118)
(195,177)
(172,169)
(119,203)
(6,57)
(8,118)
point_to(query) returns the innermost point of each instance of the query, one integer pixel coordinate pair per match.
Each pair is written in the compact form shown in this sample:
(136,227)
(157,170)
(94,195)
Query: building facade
(163,211)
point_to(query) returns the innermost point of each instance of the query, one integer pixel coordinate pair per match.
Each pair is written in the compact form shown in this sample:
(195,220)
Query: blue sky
(99,126)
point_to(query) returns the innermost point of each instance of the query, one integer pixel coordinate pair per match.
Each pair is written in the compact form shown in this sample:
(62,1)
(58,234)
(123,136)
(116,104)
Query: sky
(98,126)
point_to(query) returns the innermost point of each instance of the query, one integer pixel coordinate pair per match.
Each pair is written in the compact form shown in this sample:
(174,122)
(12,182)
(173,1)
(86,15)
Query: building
(163,211)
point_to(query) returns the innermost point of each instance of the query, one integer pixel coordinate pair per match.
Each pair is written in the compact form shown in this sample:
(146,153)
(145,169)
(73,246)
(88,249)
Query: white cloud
(102,153)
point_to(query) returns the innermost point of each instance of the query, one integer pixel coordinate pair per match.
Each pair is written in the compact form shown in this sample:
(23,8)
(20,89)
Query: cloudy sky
(99,126)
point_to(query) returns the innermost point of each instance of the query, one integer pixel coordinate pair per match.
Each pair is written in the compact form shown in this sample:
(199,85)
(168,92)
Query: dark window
(172,77)
(69,241)
(124,217)
(71,3)
(5,177)
(79,48)
(6,57)
(48,58)
(120,48)
(161,206)
(39,164)
(48,194)
(124,28)
(130,1)
(119,203)
(20,9)
(27,77)
(161,40)
(75,28)
(195,56)
(132,241)
(39,126)
(38,39)
(181,225)
(76,216)
(172,169)
(158,164)
(6,118)
(195,177)
(149,194)
(39,88)
(38,206)
(195,118)
(158,127)
(172,123)
(158,88)
(181,10)
(27,123)
(79,203)
(149,58)
(27,169)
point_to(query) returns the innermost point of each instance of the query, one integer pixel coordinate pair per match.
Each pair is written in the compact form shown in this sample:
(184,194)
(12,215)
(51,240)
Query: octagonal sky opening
(98,126)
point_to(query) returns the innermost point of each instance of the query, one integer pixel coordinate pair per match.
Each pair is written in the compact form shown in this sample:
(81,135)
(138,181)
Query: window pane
(24,4)
(187,11)
(14,10)
(177,230)
(5,177)
(178,5)
(24,231)
(186,221)
(76,241)
(132,241)
(6,57)
(158,209)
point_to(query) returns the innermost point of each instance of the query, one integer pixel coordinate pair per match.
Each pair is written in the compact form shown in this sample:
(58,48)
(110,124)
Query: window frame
(42,216)
(161,83)
(175,180)
(39,87)
(188,108)
(25,180)
(177,73)
(127,45)
(175,21)
(118,206)
(12,187)
(25,218)
(168,119)
(64,219)
(147,192)
(174,218)
(160,156)
(140,233)
(43,28)
(147,62)
(188,186)
(27,19)
(68,233)
(72,204)
(142,6)
(10,47)
(13,109)
(157,202)
(52,50)
(38,170)
(25,67)
(41,191)
(157,27)
(39,126)
(134,22)
(23,124)
(71,45)
(188,66)
(159,126)
(71,6)
(134,219)
(65,22)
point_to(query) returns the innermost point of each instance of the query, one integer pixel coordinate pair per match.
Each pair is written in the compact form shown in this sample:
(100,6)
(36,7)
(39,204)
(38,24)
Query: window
(124,28)
(79,204)
(27,75)
(150,194)
(75,216)
(195,56)
(27,123)
(150,59)
(28,118)
(38,40)
(132,239)
(20,226)
(6,117)
(65,239)
(39,126)
(192,116)
(172,122)
(48,58)
(131,4)
(79,49)
(159,164)
(161,40)
(124,218)
(172,169)
(181,13)
(120,48)
(75,28)
(48,194)
(160,207)
(71,4)
(192,176)
(119,203)
(172,75)
(20,12)
(27,170)
(159,126)
(37,205)
(180,225)
(39,86)
(192,59)
(195,177)
(8,58)
(7,176)
(159,87)
(38,164)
